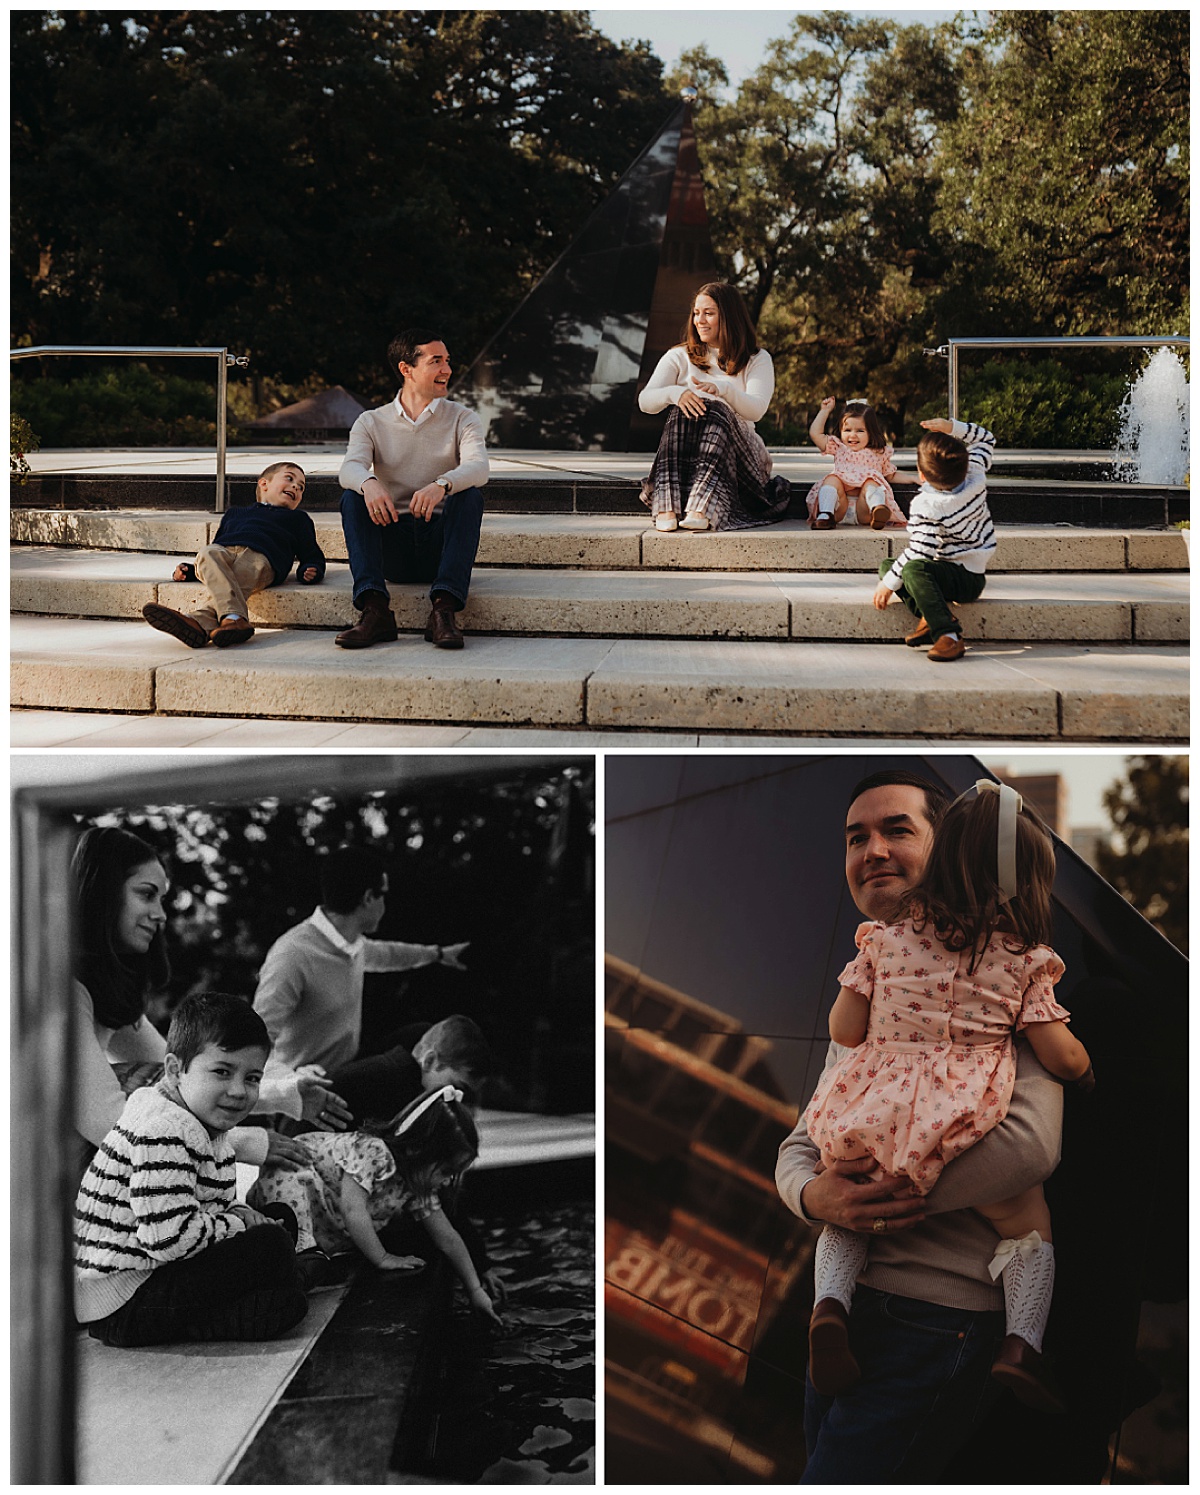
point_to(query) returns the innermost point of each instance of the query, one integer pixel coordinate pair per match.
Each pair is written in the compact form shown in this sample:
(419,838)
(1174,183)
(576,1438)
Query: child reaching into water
(862,465)
(360,1181)
(928,1009)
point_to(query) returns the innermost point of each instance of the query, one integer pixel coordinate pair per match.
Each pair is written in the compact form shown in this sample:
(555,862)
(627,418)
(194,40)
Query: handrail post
(222,379)
(953,392)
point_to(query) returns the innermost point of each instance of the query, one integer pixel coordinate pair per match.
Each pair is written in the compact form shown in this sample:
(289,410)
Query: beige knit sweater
(448,442)
(945,1259)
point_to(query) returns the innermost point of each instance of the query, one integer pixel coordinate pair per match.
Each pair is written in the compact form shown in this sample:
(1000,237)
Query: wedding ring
(880,1224)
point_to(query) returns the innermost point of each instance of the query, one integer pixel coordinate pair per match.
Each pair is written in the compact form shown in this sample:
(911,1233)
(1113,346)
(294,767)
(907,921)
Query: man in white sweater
(411,505)
(926,1319)
(310,986)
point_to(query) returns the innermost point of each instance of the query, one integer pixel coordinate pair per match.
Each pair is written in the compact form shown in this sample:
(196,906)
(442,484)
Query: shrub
(129,405)
(21,439)
(1038,404)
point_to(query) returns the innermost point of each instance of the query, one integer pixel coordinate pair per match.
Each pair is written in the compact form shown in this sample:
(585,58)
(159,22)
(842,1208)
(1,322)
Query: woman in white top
(121,957)
(712,467)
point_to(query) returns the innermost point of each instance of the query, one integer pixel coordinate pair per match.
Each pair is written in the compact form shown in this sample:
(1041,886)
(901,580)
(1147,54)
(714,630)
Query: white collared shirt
(335,936)
(424,415)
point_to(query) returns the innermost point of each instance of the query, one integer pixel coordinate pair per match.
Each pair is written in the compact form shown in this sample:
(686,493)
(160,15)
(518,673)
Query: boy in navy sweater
(254,548)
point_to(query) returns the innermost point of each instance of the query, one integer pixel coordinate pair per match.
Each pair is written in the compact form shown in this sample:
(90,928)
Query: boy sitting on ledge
(950,536)
(254,548)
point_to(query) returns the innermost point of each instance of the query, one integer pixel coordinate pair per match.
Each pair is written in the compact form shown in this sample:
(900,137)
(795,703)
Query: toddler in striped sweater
(950,536)
(163,1250)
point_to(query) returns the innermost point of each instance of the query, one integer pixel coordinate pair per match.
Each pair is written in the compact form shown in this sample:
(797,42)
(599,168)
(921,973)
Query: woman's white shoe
(693,519)
(666,521)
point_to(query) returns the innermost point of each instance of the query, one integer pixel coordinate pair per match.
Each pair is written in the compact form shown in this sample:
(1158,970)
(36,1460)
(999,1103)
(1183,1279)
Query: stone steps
(1060,692)
(627,542)
(1118,607)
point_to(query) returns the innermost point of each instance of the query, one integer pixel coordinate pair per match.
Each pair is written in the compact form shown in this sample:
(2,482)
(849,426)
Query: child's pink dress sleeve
(890,470)
(859,975)
(1042,970)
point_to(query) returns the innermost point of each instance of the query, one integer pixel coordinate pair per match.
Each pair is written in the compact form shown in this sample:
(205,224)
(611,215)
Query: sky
(738,37)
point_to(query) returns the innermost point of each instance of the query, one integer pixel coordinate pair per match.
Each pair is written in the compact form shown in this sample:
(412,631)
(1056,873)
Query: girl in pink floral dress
(928,1010)
(357,1182)
(858,486)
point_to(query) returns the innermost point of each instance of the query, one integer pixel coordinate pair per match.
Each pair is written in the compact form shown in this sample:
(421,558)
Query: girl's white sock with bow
(840,1257)
(1027,1267)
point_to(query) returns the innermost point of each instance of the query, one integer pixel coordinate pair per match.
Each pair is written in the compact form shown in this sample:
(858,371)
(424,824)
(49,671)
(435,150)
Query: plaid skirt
(718,466)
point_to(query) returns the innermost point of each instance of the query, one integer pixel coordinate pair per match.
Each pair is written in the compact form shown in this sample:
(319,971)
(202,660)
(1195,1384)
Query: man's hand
(379,502)
(882,595)
(452,956)
(939,423)
(691,405)
(835,1197)
(425,500)
(285,1152)
(320,1104)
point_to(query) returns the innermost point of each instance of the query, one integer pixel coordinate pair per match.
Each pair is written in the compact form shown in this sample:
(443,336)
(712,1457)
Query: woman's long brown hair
(738,342)
(960,894)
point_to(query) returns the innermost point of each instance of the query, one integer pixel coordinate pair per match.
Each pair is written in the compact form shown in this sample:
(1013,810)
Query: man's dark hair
(347,874)
(459,1044)
(936,799)
(215,1017)
(403,348)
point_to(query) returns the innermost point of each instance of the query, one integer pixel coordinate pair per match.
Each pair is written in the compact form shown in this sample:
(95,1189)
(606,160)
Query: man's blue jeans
(440,551)
(925,1383)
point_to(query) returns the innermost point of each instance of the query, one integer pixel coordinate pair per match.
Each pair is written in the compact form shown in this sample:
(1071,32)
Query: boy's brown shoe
(947,648)
(178,625)
(919,637)
(231,631)
(831,1365)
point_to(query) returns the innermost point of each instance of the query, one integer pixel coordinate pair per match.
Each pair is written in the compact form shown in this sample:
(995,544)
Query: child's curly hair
(960,893)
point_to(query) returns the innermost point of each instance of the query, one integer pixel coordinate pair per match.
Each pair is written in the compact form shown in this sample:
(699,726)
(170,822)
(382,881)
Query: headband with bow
(1011,805)
(444,1092)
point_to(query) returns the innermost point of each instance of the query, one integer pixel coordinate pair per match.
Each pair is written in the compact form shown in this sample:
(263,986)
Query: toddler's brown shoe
(947,648)
(178,625)
(231,631)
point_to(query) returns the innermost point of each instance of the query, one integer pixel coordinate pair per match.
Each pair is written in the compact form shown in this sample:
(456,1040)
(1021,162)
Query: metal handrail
(950,349)
(225,360)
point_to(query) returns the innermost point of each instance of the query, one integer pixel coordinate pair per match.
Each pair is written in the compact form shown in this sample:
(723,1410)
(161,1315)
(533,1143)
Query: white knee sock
(1027,1266)
(840,1257)
(827,497)
(874,495)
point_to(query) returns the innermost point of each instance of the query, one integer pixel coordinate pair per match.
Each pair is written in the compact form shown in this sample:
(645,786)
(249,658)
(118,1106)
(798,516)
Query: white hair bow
(1011,805)
(444,1092)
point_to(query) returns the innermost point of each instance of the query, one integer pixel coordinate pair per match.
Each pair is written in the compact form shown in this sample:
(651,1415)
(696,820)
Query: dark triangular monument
(564,370)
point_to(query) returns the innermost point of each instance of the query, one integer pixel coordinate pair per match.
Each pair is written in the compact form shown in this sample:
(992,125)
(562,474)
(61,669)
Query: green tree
(300,184)
(1147,860)
(1065,189)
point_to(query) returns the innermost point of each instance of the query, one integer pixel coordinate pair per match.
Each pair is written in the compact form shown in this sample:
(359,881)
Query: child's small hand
(407,1264)
(828,403)
(483,1304)
(309,573)
(252,1217)
(882,596)
(939,424)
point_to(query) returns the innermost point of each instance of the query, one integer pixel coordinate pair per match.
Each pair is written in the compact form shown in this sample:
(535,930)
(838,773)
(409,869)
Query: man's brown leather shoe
(1028,1376)
(947,648)
(376,626)
(231,631)
(442,628)
(831,1365)
(178,625)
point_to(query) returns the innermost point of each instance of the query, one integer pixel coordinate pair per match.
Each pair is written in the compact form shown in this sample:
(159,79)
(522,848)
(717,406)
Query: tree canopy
(301,184)
(1147,861)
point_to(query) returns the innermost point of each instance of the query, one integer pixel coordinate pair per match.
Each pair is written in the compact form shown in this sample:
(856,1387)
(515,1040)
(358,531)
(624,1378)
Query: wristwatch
(445,484)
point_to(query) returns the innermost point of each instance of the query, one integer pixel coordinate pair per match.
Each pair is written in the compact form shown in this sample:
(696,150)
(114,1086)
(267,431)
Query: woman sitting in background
(712,467)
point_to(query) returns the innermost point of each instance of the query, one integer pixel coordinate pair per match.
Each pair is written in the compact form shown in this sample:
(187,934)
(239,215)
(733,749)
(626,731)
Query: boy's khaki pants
(231,573)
